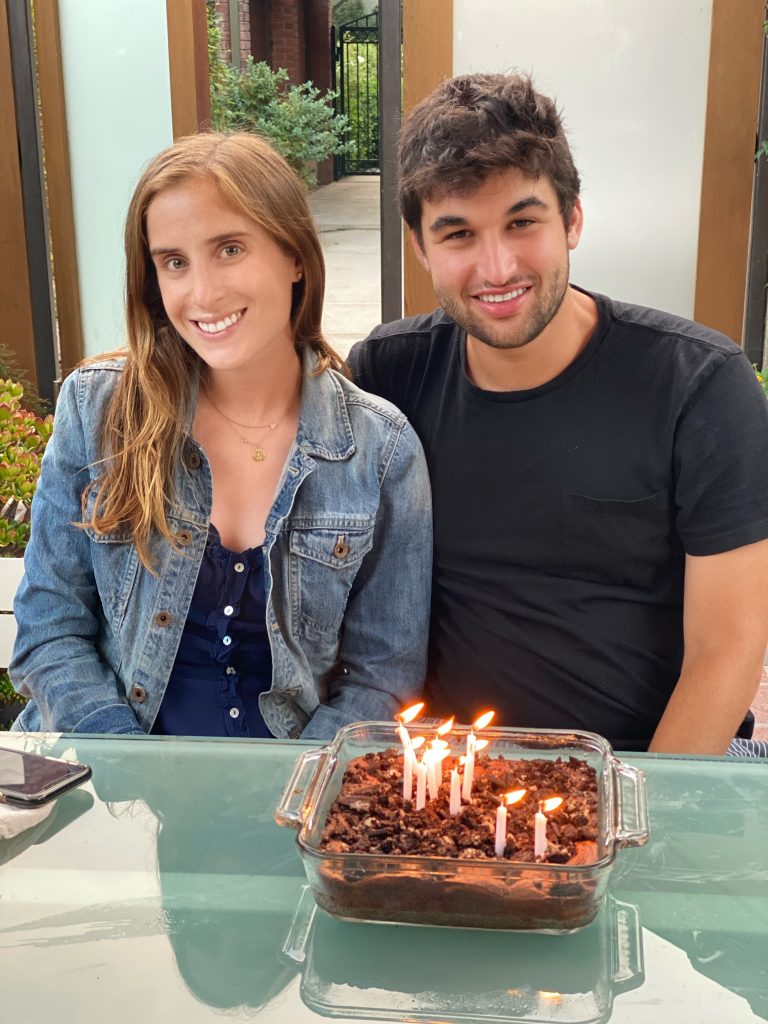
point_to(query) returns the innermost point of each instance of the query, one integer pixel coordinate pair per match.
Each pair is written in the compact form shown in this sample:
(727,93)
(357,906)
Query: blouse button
(229,610)
(239,567)
(226,640)
(231,670)
(234,712)
(341,548)
(138,694)
(163,619)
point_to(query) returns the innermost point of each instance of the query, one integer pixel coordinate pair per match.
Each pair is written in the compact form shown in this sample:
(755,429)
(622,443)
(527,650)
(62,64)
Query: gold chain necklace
(258,453)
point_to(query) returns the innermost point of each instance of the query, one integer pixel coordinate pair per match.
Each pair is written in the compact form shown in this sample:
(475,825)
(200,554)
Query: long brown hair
(145,426)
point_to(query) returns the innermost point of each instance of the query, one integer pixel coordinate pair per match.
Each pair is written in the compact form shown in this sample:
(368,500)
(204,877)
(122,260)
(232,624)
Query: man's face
(499,257)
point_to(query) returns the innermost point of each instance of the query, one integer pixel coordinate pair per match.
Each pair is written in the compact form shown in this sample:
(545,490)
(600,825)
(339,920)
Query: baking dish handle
(292,806)
(631,801)
(628,965)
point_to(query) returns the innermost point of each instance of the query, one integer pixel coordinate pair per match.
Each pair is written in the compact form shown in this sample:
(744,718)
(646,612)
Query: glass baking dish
(445,891)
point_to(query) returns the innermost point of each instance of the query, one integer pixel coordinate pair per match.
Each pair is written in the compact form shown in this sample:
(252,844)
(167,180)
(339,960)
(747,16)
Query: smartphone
(29,780)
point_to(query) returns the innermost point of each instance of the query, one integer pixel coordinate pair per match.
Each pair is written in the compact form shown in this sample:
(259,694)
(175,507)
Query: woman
(229,538)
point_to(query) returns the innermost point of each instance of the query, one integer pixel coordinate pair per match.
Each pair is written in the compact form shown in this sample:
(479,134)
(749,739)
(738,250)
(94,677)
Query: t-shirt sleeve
(721,462)
(366,369)
(376,365)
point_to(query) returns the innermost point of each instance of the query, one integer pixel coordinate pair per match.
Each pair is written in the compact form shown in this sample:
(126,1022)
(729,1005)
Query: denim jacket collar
(325,429)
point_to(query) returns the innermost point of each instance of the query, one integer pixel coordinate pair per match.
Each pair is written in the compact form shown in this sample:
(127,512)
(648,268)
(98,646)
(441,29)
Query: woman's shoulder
(368,403)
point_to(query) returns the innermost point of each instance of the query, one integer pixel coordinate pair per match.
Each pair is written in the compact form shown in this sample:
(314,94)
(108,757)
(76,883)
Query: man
(599,470)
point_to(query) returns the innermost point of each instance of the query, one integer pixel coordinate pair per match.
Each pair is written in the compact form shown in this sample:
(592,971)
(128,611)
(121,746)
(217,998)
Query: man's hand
(725,625)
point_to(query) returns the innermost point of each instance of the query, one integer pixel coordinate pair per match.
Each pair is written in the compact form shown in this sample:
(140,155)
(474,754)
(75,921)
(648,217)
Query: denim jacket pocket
(324,561)
(115,567)
(618,541)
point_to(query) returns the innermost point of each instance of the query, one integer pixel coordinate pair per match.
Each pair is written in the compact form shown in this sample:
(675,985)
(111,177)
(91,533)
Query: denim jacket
(347,554)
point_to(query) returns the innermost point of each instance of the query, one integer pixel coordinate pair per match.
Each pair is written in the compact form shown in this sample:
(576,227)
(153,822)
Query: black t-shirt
(563,513)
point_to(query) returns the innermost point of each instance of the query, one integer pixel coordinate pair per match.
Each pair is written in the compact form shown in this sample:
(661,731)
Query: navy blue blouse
(224,659)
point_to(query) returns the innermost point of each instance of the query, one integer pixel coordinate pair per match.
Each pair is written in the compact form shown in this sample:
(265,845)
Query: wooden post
(427,61)
(735,63)
(188,63)
(50,80)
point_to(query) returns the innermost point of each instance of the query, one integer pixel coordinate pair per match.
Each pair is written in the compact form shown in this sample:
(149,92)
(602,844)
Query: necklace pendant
(258,454)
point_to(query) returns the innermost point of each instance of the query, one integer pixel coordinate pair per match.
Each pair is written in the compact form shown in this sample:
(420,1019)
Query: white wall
(631,78)
(117,91)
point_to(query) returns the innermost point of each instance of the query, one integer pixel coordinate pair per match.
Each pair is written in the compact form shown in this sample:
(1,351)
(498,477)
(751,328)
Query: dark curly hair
(474,126)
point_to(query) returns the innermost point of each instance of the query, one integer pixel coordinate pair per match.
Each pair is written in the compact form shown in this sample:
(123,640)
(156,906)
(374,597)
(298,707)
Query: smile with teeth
(218,326)
(505,297)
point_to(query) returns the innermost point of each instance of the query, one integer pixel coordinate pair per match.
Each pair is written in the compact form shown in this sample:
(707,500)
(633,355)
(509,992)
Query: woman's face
(226,285)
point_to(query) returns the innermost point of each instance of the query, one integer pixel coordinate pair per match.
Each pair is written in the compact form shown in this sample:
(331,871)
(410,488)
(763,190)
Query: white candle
(469,774)
(455,802)
(409,762)
(405,738)
(539,834)
(501,830)
(433,773)
(421,785)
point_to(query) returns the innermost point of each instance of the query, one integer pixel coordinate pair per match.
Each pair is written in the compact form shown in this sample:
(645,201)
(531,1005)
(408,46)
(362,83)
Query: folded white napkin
(14,820)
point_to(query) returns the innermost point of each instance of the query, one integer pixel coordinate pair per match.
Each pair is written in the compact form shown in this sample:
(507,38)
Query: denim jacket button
(138,694)
(184,537)
(163,619)
(341,548)
(192,459)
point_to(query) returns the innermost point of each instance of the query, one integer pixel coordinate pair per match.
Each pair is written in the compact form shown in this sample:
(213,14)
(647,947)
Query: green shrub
(11,702)
(23,437)
(299,121)
(762,377)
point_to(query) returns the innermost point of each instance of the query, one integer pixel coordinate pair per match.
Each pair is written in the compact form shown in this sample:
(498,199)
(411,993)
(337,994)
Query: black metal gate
(356,61)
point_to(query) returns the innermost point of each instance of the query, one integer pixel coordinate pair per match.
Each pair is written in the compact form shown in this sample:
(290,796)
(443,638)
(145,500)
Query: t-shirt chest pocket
(323,564)
(618,541)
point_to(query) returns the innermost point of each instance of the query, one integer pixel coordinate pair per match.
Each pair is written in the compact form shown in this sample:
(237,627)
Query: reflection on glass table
(172,894)
(363,971)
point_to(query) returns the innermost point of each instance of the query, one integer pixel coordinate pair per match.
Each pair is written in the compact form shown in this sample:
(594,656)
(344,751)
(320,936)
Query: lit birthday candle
(469,764)
(540,824)
(501,819)
(455,802)
(421,785)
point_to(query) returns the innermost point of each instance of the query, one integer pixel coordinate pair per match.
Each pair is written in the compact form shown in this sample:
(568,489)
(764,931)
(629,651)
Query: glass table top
(164,890)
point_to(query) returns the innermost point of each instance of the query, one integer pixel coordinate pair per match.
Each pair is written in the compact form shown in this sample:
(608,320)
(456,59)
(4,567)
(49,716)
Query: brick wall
(244,18)
(288,32)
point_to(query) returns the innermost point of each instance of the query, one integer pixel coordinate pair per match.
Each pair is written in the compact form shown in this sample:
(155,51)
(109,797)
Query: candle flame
(446,726)
(410,713)
(440,755)
(554,997)
(515,796)
(418,741)
(462,761)
(480,744)
(439,745)
(550,805)
(485,719)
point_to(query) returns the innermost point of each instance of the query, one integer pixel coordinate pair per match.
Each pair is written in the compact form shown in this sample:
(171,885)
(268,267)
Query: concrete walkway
(347,216)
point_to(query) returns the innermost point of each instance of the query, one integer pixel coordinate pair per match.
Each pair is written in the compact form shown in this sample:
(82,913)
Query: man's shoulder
(407,336)
(650,325)
(393,359)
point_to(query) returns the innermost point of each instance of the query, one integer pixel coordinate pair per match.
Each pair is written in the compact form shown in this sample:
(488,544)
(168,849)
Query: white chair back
(11,571)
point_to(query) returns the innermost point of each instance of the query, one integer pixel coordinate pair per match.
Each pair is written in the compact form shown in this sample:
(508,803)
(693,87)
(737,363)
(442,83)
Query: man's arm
(725,625)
